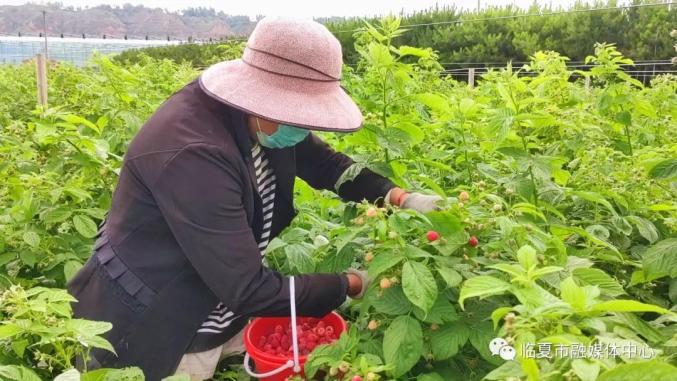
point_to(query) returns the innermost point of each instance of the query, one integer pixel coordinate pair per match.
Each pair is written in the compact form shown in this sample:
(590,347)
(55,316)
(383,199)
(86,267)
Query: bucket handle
(294,364)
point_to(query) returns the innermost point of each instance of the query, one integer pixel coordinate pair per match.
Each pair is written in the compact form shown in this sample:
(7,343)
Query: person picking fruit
(205,185)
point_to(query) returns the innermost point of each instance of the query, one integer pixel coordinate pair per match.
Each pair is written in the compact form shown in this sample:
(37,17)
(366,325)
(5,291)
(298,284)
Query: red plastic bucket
(265,362)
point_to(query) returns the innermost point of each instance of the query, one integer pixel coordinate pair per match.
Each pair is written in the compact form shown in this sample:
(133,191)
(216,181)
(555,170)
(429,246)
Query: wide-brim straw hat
(289,73)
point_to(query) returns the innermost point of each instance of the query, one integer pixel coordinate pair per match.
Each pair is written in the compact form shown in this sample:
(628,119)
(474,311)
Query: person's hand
(358,281)
(420,202)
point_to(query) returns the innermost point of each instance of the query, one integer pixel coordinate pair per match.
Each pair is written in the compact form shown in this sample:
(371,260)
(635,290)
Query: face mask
(285,136)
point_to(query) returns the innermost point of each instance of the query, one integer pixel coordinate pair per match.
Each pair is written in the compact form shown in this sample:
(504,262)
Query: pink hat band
(276,64)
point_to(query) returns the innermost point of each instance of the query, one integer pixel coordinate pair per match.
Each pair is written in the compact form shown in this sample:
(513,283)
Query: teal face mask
(285,136)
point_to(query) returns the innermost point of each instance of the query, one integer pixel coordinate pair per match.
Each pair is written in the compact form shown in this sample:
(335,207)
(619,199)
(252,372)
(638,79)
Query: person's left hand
(422,203)
(364,282)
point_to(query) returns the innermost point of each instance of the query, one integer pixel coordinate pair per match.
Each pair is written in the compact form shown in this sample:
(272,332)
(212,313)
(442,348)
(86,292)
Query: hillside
(129,20)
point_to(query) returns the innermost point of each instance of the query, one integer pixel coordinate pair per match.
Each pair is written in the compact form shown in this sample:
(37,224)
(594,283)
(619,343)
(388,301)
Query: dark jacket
(179,236)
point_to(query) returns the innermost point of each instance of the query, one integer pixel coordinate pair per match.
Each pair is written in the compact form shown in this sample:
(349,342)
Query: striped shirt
(220,318)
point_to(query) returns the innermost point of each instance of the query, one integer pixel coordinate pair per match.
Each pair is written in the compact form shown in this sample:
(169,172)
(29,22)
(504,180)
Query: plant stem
(627,135)
(384,113)
(465,147)
(531,171)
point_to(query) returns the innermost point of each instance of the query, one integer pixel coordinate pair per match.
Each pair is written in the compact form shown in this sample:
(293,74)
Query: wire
(647,62)
(522,16)
(636,64)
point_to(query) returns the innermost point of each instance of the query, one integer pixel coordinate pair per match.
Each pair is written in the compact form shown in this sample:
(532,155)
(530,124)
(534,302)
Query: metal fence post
(41,72)
(471,77)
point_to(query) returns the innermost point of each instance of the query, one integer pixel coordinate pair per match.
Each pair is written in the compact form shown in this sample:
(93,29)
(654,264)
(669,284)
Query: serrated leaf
(71,268)
(448,340)
(392,302)
(498,314)
(660,260)
(429,377)
(627,306)
(645,227)
(69,375)
(419,285)
(594,198)
(573,294)
(298,258)
(56,215)
(402,344)
(597,277)
(85,226)
(526,256)
(451,277)
(585,370)
(31,238)
(482,286)
(383,262)
(441,312)
(640,371)
(665,169)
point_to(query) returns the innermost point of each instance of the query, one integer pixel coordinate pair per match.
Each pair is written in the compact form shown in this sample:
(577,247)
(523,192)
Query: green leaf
(419,285)
(436,102)
(56,215)
(660,260)
(441,312)
(17,373)
(382,262)
(585,370)
(341,260)
(402,344)
(71,268)
(77,193)
(69,375)
(507,370)
(666,169)
(573,294)
(9,330)
(624,118)
(88,327)
(405,50)
(85,226)
(448,340)
(627,306)
(19,347)
(429,377)
(640,371)
(526,256)
(509,268)
(450,276)
(299,259)
(107,374)
(545,271)
(645,227)
(445,223)
(482,286)
(594,198)
(530,368)
(597,277)
(392,302)
(31,238)
(498,314)
(78,120)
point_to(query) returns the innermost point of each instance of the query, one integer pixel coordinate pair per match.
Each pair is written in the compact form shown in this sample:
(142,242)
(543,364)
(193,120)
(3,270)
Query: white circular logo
(500,347)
